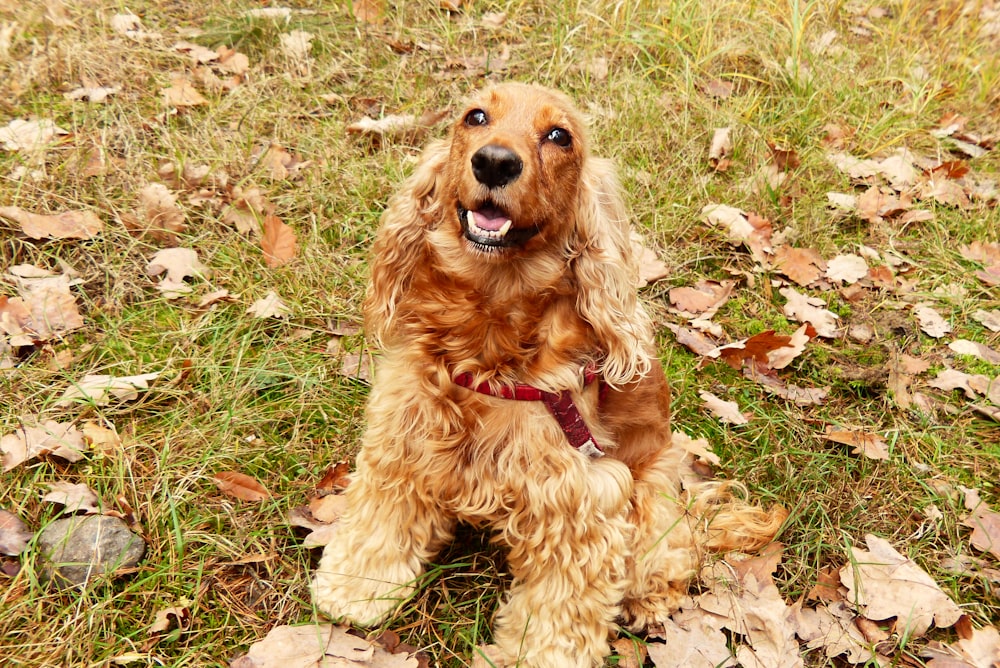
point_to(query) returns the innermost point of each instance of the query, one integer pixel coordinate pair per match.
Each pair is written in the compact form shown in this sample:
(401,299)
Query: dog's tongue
(489,218)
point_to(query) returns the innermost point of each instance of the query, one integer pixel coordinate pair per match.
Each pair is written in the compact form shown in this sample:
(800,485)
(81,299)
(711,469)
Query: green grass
(264,397)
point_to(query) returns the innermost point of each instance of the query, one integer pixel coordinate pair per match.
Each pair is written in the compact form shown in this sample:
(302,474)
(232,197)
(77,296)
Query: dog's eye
(559,137)
(476,117)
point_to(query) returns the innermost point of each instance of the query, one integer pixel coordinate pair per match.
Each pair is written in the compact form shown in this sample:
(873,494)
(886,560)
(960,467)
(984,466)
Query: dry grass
(264,397)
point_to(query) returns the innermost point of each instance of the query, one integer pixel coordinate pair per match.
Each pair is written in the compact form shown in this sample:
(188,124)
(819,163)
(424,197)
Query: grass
(265,398)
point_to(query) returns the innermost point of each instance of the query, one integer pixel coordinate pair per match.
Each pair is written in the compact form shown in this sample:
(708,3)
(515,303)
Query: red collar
(560,404)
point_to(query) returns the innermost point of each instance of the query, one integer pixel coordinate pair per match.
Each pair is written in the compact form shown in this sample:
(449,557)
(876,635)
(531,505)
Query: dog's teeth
(504,229)
(472,219)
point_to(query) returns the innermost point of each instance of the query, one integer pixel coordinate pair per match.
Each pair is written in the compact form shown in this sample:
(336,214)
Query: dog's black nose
(496,166)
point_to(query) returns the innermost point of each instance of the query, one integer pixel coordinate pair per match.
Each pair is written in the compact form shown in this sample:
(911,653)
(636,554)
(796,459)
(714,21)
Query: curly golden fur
(506,256)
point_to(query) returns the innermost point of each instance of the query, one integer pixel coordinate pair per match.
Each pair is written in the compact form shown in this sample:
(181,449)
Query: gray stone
(76,549)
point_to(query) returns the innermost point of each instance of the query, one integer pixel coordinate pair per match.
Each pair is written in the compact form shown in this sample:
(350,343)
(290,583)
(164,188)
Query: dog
(519,391)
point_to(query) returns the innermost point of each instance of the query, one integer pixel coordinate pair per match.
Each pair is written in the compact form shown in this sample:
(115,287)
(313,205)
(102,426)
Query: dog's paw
(340,598)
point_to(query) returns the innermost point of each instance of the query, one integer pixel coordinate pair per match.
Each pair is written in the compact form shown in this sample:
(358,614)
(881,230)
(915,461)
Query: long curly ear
(606,272)
(401,240)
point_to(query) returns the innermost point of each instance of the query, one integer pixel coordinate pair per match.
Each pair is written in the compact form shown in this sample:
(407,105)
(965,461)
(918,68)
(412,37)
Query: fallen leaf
(985,524)
(748,229)
(368,11)
(269,306)
(50,437)
(697,447)
(75,497)
(14,535)
(802,265)
(692,339)
(651,267)
(720,149)
(857,169)
(93,94)
(280,163)
(727,412)
(834,629)
(45,310)
(782,356)
(329,508)
(240,486)
(65,225)
(101,439)
(975,349)
(181,94)
(357,366)
(974,385)
(159,208)
(847,269)
(870,445)
(699,643)
(99,389)
(130,25)
(704,299)
(757,348)
(296,45)
(278,242)
(809,309)
(176,264)
(336,478)
(988,319)
(318,644)
(884,584)
(396,127)
(29,136)
(800,396)
(178,616)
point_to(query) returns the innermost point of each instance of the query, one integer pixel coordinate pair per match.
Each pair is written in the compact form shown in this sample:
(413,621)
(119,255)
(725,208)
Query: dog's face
(514,167)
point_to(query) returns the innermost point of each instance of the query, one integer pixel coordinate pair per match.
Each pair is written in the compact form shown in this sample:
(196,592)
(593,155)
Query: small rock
(74,549)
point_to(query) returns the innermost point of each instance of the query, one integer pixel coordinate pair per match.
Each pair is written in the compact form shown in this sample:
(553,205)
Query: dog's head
(514,167)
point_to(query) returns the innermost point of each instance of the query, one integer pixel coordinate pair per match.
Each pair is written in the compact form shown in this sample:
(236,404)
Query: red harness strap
(560,404)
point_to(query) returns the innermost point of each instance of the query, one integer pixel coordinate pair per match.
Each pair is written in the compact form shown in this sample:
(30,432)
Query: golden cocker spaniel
(519,391)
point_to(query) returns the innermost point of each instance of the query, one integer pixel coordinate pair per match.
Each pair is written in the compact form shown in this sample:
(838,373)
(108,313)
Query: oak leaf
(720,149)
(704,299)
(975,349)
(75,497)
(269,306)
(176,264)
(847,269)
(741,227)
(870,445)
(29,136)
(802,265)
(14,535)
(65,225)
(35,440)
(278,242)
(182,94)
(318,644)
(809,309)
(240,486)
(727,412)
(984,522)
(100,389)
(884,584)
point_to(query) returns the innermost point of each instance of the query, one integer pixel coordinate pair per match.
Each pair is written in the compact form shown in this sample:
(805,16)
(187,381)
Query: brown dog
(519,390)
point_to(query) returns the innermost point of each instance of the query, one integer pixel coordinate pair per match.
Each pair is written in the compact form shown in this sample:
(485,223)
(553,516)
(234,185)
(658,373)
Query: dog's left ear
(607,273)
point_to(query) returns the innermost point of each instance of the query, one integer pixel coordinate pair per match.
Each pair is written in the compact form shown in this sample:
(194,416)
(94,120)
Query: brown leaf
(319,644)
(280,164)
(800,396)
(692,339)
(14,535)
(278,242)
(809,309)
(748,229)
(368,11)
(985,524)
(975,349)
(96,388)
(802,265)
(885,584)
(182,94)
(704,299)
(240,486)
(178,617)
(651,267)
(720,149)
(336,478)
(176,264)
(65,225)
(631,654)
(329,508)
(756,348)
(847,269)
(269,306)
(358,366)
(863,443)
(101,439)
(45,310)
(50,437)
(75,497)
(728,412)
(827,585)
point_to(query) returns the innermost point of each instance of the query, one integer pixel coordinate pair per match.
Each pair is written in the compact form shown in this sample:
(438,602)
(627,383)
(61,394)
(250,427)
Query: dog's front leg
(390,530)
(569,544)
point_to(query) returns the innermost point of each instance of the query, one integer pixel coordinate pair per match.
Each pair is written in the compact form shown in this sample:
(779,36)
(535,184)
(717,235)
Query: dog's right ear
(401,240)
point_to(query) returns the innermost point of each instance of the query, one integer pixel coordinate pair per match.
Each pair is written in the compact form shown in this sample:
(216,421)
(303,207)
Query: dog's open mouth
(490,229)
